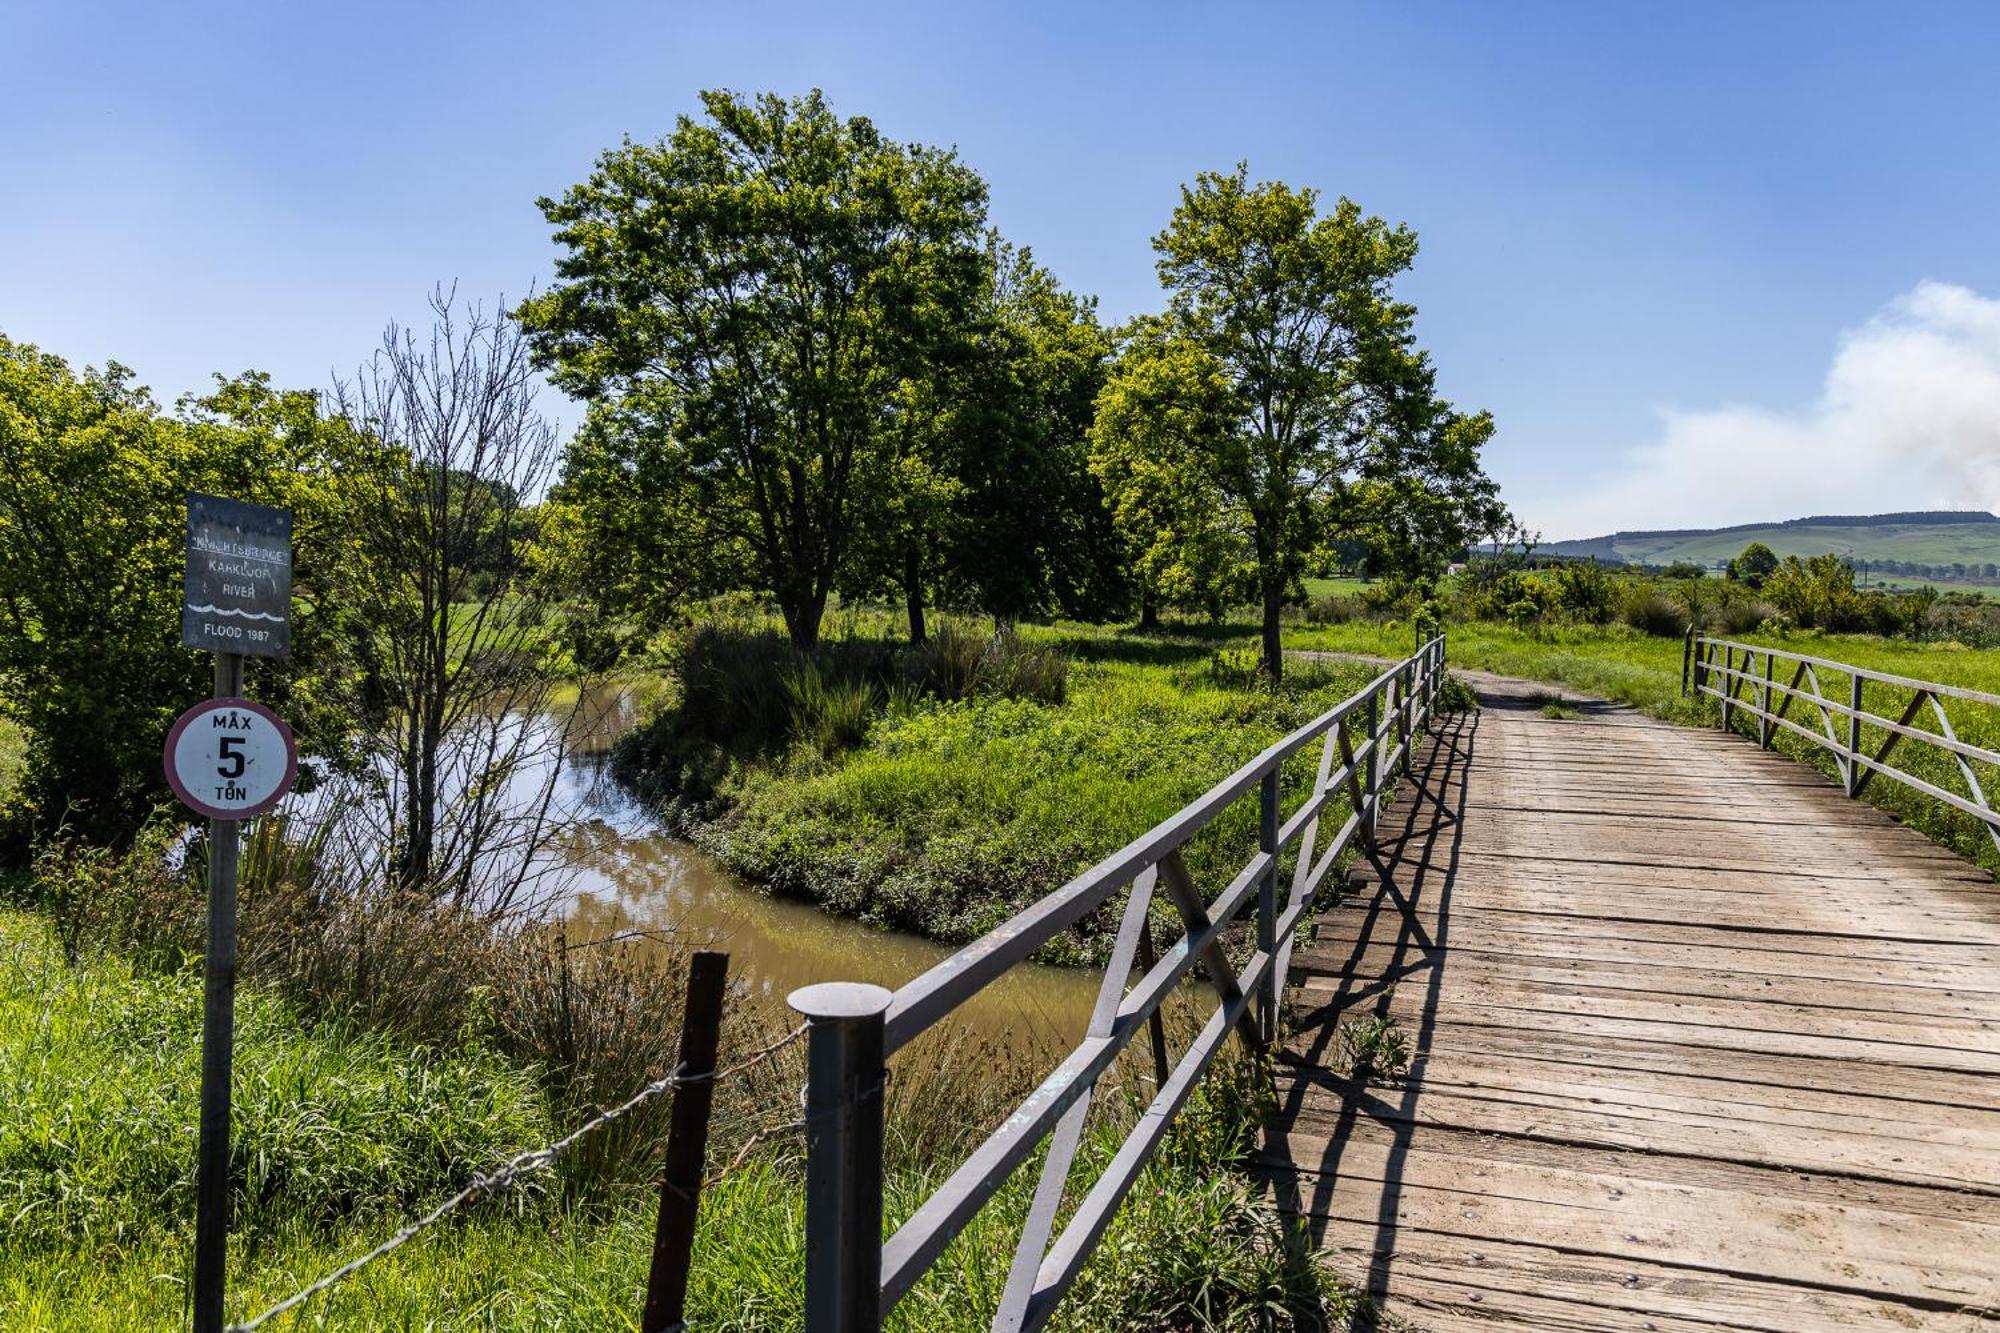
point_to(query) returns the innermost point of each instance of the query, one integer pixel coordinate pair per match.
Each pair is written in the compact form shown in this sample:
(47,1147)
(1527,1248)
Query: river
(625,873)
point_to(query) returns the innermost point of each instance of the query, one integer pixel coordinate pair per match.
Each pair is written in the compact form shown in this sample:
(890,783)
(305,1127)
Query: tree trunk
(803,611)
(1149,612)
(1274,646)
(913,590)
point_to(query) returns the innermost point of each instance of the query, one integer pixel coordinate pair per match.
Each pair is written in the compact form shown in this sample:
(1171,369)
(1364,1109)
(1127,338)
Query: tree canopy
(741,305)
(94,478)
(1281,401)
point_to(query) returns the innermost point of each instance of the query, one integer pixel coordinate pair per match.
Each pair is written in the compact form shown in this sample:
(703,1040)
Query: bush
(829,715)
(1582,590)
(1738,617)
(1334,609)
(1650,611)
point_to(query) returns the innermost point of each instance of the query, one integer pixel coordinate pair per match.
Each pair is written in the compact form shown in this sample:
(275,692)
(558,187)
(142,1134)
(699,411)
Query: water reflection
(626,874)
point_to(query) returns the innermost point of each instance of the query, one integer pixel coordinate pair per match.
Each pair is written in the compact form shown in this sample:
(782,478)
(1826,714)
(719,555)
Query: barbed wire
(486,1184)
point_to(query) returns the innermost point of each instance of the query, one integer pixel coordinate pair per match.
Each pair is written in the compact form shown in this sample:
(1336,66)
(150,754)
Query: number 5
(231,750)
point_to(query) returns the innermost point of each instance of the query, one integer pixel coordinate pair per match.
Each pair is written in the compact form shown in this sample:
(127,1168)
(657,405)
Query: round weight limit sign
(231,758)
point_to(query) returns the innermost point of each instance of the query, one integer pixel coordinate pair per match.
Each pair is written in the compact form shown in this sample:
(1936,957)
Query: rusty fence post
(687,1146)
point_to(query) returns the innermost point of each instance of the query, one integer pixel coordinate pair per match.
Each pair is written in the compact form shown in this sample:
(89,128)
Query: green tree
(741,304)
(1026,531)
(1756,563)
(94,479)
(1297,378)
(1684,569)
(1818,592)
(1164,418)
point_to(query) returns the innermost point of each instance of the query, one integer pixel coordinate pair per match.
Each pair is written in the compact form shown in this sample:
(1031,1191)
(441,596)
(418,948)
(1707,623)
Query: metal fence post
(844,1078)
(1267,905)
(1853,733)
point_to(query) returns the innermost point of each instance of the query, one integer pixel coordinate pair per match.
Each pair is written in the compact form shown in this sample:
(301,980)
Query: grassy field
(1923,543)
(1336,587)
(1645,671)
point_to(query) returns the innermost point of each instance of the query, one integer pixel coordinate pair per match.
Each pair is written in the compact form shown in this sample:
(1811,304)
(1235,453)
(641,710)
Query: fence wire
(486,1184)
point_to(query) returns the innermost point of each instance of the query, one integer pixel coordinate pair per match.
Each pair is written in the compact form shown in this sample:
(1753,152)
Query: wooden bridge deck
(1700,1043)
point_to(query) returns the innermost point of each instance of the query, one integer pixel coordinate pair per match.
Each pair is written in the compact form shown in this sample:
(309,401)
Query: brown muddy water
(625,873)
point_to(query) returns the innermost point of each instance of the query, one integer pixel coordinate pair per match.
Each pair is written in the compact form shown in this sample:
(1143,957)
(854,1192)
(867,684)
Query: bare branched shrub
(455,653)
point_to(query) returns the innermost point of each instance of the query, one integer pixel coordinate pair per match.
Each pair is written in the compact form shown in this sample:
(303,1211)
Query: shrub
(1582,590)
(1014,668)
(830,715)
(1738,617)
(1818,593)
(1650,611)
(1334,609)
(947,663)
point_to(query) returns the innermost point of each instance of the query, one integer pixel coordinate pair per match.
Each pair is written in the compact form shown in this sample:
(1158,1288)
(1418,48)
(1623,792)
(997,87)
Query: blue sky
(1666,246)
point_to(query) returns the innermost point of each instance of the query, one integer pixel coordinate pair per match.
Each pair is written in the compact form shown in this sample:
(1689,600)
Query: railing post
(1728,684)
(1853,732)
(1368,791)
(1267,906)
(1764,727)
(844,1078)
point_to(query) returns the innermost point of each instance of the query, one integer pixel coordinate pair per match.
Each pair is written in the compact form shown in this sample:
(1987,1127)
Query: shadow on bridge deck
(1697,1042)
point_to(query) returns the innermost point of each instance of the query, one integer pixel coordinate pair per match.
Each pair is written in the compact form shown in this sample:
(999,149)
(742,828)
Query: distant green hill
(1946,545)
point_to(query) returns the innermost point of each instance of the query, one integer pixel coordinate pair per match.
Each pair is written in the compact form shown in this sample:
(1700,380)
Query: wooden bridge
(1699,1042)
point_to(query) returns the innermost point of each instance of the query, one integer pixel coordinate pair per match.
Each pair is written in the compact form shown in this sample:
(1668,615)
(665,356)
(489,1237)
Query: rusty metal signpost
(230,759)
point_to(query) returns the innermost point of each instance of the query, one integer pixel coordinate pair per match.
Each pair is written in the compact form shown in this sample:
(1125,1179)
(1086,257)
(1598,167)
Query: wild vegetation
(939,590)
(860,493)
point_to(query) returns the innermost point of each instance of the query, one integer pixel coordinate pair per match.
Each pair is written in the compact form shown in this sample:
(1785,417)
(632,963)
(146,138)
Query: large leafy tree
(1165,420)
(1295,376)
(1026,532)
(742,304)
(94,479)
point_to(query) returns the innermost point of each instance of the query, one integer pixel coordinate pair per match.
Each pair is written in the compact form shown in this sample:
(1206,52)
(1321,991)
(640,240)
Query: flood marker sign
(237,597)
(230,759)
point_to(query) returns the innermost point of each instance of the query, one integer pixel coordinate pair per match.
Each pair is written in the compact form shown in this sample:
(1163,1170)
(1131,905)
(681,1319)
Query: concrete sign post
(229,759)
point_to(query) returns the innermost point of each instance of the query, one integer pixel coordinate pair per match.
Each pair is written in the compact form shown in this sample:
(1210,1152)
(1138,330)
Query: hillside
(1941,545)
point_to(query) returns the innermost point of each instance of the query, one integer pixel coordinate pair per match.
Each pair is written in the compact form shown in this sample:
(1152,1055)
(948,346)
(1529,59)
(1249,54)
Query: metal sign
(230,758)
(238,594)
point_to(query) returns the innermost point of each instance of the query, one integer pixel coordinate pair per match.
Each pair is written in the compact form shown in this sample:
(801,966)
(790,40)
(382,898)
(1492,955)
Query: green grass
(1332,587)
(950,817)
(13,755)
(340,1136)
(1620,663)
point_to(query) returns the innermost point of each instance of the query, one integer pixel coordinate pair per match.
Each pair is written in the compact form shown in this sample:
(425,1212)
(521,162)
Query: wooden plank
(1593,1205)
(1702,1044)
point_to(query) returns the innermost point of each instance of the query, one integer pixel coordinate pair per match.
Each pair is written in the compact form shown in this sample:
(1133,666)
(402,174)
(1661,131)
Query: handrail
(853,1278)
(1708,660)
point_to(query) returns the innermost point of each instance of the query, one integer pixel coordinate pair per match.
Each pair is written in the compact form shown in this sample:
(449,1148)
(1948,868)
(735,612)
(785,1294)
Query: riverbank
(944,817)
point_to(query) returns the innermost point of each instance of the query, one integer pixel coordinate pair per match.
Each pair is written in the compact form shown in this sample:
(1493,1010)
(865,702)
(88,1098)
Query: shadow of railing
(1399,900)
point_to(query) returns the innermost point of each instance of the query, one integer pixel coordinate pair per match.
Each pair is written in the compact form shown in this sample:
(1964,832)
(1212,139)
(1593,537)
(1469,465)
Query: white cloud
(1908,418)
